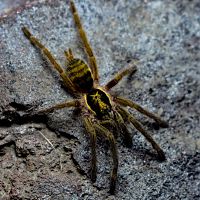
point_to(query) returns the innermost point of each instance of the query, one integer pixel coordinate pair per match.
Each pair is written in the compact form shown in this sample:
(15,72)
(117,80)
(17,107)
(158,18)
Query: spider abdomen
(80,75)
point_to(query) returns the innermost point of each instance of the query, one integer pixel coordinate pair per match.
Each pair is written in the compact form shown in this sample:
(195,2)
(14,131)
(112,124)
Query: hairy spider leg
(126,102)
(108,122)
(104,131)
(51,58)
(118,124)
(127,116)
(69,55)
(123,130)
(118,77)
(66,104)
(111,125)
(86,44)
(90,129)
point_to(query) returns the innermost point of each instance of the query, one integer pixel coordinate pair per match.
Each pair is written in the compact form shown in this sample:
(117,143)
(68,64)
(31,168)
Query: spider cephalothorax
(99,108)
(99,102)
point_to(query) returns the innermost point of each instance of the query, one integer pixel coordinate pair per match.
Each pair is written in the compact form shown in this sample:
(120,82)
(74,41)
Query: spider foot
(161,155)
(113,183)
(93,174)
(162,123)
(128,142)
(112,186)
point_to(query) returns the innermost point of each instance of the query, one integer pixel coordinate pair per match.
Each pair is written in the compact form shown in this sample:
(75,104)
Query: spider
(99,108)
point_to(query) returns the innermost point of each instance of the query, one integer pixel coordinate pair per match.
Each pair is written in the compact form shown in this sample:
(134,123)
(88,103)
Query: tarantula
(98,107)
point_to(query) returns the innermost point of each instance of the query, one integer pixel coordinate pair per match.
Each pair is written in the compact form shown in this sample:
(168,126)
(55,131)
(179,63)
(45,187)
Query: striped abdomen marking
(80,75)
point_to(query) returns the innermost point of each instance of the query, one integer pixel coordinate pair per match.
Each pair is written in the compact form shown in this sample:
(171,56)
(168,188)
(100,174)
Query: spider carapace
(99,103)
(102,113)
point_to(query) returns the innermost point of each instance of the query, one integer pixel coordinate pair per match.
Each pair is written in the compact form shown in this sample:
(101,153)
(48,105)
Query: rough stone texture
(165,37)
(7,6)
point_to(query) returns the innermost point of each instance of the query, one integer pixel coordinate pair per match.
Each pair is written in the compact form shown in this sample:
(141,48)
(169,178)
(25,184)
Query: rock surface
(164,36)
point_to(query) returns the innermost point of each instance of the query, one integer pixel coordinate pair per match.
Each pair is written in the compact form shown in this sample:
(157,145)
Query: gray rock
(164,36)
